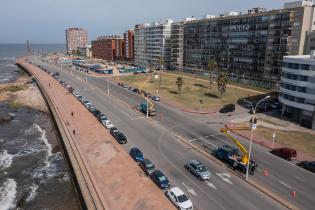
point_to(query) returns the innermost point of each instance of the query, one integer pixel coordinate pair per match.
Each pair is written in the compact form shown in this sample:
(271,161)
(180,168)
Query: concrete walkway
(117,180)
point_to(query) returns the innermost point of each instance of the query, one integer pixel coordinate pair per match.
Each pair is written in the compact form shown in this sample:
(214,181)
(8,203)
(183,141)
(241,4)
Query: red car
(285,153)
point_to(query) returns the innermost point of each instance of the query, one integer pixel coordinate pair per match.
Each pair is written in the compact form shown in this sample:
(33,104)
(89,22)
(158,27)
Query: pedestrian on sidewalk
(49,84)
(73,131)
(72,114)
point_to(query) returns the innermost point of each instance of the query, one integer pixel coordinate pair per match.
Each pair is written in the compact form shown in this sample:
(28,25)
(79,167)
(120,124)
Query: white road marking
(285,184)
(213,145)
(224,177)
(196,139)
(190,190)
(211,185)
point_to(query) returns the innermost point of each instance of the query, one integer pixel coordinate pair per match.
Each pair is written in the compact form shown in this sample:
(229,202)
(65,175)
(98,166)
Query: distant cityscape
(248,47)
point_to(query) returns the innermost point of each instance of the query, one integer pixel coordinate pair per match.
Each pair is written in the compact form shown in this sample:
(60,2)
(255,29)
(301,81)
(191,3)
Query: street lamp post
(253,126)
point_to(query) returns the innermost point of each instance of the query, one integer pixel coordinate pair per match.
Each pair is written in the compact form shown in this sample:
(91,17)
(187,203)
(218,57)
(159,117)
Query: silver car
(197,169)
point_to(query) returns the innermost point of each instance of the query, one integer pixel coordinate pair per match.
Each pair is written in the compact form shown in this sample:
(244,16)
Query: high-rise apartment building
(152,44)
(108,48)
(297,90)
(177,44)
(129,44)
(75,38)
(250,46)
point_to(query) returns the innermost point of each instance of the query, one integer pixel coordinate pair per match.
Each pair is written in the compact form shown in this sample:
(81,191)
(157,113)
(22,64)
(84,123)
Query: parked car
(155,98)
(120,84)
(120,137)
(147,166)
(197,169)
(91,108)
(97,113)
(160,179)
(308,165)
(130,88)
(276,105)
(179,199)
(147,95)
(227,108)
(108,124)
(87,104)
(113,131)
(285,153)
(125,85)
(136,154)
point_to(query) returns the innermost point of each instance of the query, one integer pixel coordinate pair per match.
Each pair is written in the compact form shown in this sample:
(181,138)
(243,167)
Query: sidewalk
(119,182)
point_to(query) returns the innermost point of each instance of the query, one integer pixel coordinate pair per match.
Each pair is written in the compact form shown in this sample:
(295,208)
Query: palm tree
(212,65)
(179,83)
(221,82)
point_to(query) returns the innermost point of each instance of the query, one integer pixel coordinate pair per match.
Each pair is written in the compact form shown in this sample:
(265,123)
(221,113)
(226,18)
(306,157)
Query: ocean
(33,171)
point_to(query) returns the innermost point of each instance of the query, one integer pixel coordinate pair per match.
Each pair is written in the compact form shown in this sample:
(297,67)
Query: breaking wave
(5,159)
(8,194)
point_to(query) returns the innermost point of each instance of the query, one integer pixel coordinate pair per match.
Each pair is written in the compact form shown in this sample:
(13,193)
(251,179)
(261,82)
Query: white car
(179,199)
(107,124)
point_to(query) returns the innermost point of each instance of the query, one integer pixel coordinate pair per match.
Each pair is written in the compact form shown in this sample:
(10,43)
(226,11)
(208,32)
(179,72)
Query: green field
(193,90)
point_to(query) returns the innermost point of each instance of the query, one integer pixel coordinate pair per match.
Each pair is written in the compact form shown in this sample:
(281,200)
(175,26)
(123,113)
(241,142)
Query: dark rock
(56,149)
(5,118)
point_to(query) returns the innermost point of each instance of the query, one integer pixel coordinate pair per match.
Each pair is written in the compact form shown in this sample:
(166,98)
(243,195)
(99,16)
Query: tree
(212,65)
(221,82)
(179,83)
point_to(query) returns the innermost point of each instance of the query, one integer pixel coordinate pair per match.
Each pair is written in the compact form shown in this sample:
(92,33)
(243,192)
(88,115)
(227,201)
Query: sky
(45,21)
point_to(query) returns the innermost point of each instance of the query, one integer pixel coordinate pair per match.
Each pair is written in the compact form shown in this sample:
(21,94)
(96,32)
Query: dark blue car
(160,179)
(136,154)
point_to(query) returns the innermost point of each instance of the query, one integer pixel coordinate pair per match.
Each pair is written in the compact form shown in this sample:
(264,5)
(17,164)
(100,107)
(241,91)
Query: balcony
(308,73)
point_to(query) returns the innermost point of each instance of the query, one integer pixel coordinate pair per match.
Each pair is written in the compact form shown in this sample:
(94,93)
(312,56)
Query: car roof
(146,161)
(287,148)
(177,191)
(158,173)
(195,162)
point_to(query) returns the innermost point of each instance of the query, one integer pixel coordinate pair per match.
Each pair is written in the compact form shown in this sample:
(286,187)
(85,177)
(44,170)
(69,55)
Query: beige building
(75,38)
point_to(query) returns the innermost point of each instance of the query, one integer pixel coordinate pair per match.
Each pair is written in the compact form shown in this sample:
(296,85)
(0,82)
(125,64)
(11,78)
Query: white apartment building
(152,44)
(297,89)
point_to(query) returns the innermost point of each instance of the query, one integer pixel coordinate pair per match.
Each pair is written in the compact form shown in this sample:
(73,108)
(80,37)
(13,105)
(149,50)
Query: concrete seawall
(104,180)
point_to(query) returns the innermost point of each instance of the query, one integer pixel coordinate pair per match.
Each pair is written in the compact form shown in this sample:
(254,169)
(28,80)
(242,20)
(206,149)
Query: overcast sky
(44,21)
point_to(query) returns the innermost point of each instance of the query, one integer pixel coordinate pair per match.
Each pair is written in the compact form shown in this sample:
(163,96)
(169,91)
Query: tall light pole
(107,85)
(253,127)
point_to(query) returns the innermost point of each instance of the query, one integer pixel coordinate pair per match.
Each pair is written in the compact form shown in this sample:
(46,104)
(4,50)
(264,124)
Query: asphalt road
(157,139)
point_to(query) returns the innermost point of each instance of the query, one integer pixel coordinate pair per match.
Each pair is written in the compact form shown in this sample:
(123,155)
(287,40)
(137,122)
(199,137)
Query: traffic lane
(175,156)
(106,100)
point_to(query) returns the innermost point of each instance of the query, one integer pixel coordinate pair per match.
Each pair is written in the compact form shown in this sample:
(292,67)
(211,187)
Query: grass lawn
(192,92)
(303,142)
(232,83)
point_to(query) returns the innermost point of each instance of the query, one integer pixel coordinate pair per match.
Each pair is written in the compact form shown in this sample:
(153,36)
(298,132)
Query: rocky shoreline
(22,92)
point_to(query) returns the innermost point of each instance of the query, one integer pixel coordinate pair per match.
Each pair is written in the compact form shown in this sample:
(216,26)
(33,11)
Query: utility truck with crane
(230,154)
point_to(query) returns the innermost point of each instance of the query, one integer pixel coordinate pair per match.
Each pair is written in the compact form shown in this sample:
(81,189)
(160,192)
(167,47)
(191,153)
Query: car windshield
(201,168)
(182,198)
(149,165)
(162,178)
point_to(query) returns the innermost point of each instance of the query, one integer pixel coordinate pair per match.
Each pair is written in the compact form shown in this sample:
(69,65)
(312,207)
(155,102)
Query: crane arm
(238,144)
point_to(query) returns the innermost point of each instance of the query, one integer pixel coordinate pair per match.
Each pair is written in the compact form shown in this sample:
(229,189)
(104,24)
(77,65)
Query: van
(285,153)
